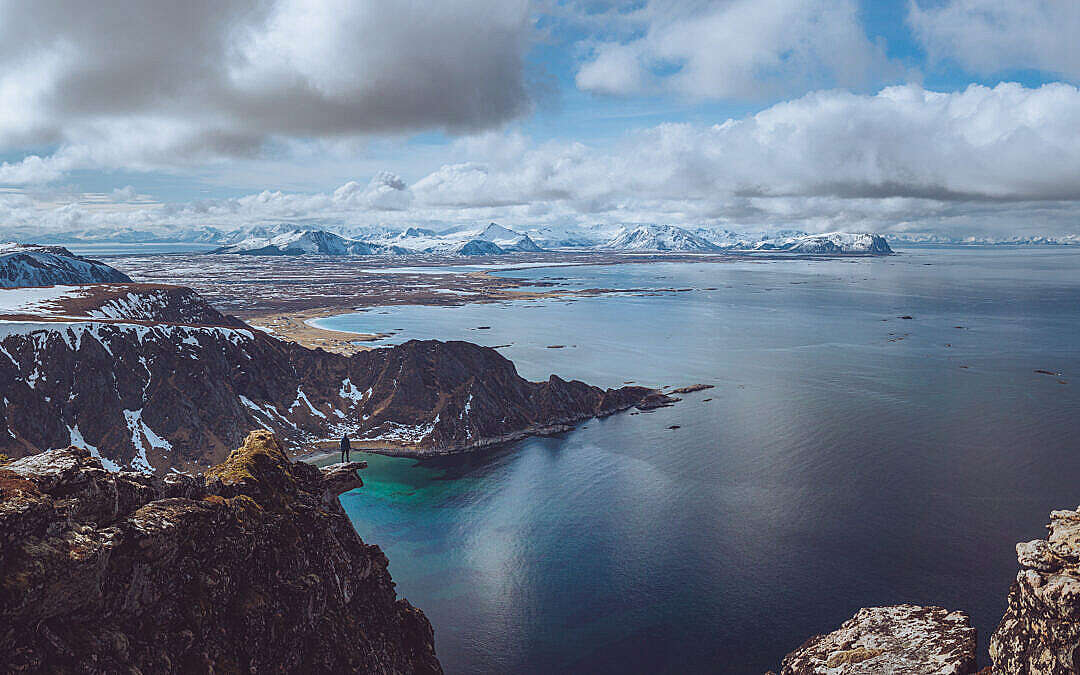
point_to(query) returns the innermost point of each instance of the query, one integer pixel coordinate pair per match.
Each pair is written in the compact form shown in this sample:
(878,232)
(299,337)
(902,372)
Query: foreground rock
(897,639)
(1040,632)
(252,568)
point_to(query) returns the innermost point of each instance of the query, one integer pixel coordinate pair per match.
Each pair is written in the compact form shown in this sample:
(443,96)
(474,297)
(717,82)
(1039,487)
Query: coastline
(328,447)
(295,327)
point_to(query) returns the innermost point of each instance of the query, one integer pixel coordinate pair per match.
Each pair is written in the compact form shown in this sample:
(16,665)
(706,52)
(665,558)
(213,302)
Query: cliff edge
(252,567)
(1040,632)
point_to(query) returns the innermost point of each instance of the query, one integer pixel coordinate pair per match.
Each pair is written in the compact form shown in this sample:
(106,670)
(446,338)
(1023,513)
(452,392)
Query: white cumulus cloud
(737,49)
(993,36)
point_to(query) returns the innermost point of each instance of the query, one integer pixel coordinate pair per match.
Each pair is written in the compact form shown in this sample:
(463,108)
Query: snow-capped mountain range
(490,240)
(495,239)
(440,239)
(300,242)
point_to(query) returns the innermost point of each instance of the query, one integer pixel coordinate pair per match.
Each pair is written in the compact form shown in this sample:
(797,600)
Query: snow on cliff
(28,265)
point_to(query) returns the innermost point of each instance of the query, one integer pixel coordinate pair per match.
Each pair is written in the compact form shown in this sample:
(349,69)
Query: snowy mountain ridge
(490,240)
(301,242)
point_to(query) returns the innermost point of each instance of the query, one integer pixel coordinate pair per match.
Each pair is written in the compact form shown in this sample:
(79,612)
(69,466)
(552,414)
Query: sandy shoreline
(295,326)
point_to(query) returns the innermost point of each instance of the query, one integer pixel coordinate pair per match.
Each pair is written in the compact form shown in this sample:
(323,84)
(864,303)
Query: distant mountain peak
(33,265)
(659,238)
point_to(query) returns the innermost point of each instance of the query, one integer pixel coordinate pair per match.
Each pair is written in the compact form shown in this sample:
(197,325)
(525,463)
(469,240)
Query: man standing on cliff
(345,448)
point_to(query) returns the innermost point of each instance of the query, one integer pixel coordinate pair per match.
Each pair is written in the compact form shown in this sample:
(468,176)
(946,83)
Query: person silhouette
(345,448)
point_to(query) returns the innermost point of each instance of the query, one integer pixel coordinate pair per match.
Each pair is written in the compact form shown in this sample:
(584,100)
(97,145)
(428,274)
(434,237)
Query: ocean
(846,457)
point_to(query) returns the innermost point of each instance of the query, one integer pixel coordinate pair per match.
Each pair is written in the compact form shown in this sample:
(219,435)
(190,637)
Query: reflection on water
(846,457)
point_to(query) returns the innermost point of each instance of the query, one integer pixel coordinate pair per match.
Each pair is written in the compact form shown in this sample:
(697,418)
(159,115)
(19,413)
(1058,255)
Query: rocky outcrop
(253,567)
(898,639)
(152,378)
(1040,632)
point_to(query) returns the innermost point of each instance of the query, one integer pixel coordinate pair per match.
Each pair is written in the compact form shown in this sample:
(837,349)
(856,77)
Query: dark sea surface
(847,458)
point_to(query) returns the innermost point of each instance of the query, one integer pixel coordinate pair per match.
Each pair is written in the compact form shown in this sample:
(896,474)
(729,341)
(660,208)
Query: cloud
(385,192)
(988,37)
(158,83)
(30,170)
(737,49)
(999,160)
(983,144)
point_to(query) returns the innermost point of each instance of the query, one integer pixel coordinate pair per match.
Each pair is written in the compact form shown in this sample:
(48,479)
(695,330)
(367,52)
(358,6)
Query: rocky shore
(1038,635)
(251,567)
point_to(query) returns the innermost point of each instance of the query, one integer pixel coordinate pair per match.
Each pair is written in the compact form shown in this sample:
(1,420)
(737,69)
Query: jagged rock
(897,639)
(252,568)
(1040,631)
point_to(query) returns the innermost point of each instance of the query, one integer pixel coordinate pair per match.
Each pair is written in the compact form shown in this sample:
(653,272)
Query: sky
(952,117)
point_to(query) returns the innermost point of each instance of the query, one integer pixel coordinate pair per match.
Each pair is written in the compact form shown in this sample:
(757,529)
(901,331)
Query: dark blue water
(847,458)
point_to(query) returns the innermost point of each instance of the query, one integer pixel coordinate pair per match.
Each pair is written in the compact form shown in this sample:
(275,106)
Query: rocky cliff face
(1040,632)
(253,567)
(898,639)
(151,378)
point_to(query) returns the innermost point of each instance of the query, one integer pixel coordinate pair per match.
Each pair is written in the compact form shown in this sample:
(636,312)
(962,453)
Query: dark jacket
(345,444)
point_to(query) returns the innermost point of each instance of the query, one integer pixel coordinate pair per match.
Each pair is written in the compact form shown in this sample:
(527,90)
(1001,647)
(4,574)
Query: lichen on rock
(253,568)
(895,639)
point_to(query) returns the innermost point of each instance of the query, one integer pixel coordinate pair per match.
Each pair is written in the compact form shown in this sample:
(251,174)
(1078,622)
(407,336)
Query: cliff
(152,378)
(1040,632)
(1038,635)
(252,567)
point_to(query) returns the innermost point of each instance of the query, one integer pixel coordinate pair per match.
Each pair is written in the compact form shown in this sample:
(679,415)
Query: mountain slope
(479,247)
(507,239)
(151,378)
(253,567)
(29,265)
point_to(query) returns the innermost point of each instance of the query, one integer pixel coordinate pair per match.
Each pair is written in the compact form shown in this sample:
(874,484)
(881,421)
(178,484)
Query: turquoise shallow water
(846,458)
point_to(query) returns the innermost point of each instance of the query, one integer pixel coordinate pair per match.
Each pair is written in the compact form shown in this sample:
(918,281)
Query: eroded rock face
(1040,632)
(251,568)
(897,639)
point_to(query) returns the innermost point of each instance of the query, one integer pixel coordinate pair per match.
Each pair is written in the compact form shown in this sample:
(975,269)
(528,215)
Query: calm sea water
(836,465)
